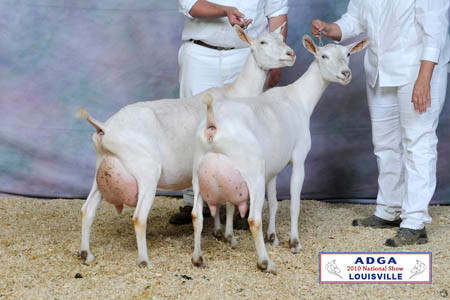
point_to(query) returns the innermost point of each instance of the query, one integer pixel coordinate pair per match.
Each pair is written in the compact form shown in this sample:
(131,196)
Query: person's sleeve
(275,8)
(432,16)
(185,6)
(350,23)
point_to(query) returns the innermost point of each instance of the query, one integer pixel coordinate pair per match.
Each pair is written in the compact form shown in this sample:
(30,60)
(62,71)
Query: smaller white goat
(150,144)
(244,143)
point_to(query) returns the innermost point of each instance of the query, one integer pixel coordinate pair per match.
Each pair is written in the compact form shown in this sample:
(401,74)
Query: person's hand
(274,78)
(318,26)
(421,94)
(234,17)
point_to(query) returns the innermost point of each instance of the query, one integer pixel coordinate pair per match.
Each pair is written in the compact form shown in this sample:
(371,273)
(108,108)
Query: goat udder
(116,184)
(220,182)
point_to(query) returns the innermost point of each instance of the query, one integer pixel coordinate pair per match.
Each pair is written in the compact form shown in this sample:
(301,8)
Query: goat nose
(346,74)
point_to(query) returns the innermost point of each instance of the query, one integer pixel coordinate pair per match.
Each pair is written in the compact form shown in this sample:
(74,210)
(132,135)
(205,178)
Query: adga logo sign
(366,267)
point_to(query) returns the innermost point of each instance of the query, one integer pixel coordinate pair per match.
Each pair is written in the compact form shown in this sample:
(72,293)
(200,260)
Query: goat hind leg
(87,218)
(197,222)
(256,191)
(229,236)
(217,233)
(147,176)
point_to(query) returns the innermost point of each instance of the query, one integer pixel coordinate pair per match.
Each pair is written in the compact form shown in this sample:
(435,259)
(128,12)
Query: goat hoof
(199,262)
(86,257)
(295,245)
(144,264)
(231,240)
(273,239)
(267,266)
(83,254)
(218,234)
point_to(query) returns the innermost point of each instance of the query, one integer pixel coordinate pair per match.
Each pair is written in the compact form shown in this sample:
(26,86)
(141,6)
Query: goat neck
(308,89)
(251,79)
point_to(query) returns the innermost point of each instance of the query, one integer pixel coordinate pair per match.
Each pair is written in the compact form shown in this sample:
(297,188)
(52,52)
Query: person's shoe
(407,236)
(376,222)
(184,216)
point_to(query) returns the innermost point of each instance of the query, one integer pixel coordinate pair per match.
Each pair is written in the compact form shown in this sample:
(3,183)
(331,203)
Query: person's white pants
(405,146)
(202,68)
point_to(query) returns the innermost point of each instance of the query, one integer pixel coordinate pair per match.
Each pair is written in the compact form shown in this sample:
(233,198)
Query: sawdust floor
(39,242)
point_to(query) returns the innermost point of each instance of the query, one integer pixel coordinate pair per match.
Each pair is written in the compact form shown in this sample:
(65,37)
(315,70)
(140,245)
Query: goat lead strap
(244,20)
(320,39)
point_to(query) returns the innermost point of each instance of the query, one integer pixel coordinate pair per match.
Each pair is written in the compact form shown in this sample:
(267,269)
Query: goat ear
(309,44)
(242,35)
(280,29)
(358,46)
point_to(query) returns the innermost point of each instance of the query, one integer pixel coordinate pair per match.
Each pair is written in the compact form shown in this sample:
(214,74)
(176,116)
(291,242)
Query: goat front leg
(147,177)
(197,222)
(229,235)
(297,178)
(256,191)
(87,218)
(271,188)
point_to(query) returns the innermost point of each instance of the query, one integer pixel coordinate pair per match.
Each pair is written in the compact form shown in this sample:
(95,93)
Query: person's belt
(209,46)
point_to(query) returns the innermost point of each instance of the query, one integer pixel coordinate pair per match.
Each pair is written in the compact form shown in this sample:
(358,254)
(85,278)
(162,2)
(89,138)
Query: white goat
(150,144)
(245,143)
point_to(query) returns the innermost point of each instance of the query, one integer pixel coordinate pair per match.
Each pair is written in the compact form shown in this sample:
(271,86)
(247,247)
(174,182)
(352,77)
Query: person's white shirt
(218,32)
(402,33)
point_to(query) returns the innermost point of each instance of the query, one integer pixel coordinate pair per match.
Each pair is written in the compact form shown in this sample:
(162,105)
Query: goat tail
(210,130)
(99,126)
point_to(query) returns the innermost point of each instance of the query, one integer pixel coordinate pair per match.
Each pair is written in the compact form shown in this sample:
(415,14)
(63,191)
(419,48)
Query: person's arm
(330,30)
(346,27)
(421,97)
(432,16)
(276,22)
(203,9)
(275,74)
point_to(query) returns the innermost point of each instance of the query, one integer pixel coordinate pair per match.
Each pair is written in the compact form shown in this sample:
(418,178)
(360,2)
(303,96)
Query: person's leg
(420,142)
(386,136)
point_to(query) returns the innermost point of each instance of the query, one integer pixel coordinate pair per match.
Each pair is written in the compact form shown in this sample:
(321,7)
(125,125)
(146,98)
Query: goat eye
(348,54)
(263,43)
(324,57)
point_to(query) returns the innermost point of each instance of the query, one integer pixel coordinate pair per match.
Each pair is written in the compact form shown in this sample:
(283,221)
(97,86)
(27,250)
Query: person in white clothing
(406,67)
(213,55)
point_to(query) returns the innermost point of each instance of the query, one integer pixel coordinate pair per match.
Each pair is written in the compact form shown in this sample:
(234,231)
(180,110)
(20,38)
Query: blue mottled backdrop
(59,55)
